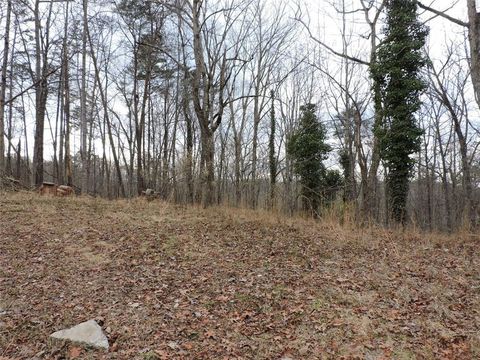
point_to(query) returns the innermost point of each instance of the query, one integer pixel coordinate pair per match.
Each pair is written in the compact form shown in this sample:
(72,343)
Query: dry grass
(177,282)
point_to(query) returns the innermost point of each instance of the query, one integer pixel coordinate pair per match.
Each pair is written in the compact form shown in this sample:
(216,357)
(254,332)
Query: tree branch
(345,56)
(35,83)
(444,15)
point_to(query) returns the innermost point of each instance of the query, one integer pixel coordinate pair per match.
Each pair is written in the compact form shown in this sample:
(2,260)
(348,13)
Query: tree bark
(474,39)
(271,152)
(3,86)
(83,101)
(41,94)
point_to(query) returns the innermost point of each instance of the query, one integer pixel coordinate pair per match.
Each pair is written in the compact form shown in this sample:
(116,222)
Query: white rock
(88,332)
(172,345)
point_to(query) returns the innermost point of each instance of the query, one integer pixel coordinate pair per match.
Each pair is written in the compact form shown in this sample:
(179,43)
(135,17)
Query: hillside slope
(172,282)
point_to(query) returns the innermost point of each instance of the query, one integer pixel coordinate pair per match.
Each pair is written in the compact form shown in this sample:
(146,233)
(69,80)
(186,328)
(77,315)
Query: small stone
(172,345)
(88,333)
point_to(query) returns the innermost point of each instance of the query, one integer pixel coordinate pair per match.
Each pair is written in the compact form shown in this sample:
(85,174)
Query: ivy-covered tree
(397,73)
(308,149)
(333,182)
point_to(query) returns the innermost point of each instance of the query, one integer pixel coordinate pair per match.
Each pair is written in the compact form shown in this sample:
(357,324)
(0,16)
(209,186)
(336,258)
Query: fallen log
(65,190)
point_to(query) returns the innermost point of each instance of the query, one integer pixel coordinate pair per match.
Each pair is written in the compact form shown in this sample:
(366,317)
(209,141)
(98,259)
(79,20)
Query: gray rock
(88,332)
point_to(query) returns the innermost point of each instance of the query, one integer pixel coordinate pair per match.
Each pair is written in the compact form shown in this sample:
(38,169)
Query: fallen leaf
(210,334)
(75,352)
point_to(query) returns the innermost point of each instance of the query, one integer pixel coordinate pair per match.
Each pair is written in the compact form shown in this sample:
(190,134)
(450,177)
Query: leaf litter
(169,282)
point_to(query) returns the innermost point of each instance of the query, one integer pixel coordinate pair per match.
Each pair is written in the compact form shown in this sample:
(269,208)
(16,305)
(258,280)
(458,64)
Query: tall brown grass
(338,223)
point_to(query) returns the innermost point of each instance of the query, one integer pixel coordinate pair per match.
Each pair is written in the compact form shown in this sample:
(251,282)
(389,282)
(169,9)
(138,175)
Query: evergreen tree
(397,73)
(333,182)
(308,149)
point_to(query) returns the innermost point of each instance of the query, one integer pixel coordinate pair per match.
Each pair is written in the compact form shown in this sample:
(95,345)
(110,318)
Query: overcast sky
(326,24)
(329,22)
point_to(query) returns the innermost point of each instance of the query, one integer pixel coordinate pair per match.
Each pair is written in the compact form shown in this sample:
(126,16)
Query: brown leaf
(210,334)
(75,352)
(161,353)
(188,345)
(222,298)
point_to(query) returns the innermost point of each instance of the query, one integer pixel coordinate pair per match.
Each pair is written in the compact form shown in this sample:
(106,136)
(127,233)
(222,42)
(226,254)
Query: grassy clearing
(176,282)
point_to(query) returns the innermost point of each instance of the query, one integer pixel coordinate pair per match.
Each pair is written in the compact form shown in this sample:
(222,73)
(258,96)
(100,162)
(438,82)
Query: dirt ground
(170,282)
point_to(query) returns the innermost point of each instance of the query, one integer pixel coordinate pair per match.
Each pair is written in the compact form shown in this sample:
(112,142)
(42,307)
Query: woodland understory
(198,100)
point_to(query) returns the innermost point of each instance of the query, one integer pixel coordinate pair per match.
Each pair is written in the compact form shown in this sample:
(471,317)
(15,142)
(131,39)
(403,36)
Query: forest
(239,179)
(361,110)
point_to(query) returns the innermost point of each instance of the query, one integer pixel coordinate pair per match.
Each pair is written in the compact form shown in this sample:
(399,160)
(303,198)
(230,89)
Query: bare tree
(3,86)
(41,88)
(214,66)
(454,101)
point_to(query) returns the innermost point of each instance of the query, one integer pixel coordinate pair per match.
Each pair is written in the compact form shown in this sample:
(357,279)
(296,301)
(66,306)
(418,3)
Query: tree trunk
(272,157)
(208,176)
(3,86)
(139,136)
(189,142)
(41,94)
(256,123)
(68,158)
(83,102)
(474,39)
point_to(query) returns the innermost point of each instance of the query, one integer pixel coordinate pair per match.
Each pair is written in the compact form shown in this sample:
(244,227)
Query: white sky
(329,22)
